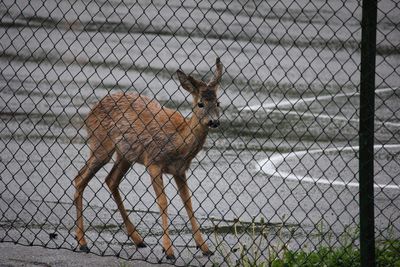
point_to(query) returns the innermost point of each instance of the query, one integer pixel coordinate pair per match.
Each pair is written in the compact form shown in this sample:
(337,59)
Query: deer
(134,128)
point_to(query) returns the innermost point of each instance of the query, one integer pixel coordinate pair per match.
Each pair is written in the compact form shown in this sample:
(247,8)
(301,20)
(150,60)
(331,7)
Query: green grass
(387,254)
(347,254)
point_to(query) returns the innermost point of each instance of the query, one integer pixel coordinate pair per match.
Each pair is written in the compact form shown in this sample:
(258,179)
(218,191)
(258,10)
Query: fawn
(139,130)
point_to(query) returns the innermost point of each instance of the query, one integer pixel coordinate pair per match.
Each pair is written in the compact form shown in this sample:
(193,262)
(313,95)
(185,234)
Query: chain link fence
(278,177)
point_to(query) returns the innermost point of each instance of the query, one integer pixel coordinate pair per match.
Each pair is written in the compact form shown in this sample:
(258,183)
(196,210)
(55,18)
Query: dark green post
(367,112)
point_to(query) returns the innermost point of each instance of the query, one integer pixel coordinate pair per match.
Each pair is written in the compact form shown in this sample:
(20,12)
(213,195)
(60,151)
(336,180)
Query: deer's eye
(218,103)
(200,105)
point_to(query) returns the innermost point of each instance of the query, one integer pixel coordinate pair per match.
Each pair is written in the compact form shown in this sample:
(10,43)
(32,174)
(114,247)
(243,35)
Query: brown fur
(138,129)
(144,132)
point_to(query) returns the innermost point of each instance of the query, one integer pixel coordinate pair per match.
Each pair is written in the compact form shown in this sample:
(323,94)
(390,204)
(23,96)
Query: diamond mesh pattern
(281,168)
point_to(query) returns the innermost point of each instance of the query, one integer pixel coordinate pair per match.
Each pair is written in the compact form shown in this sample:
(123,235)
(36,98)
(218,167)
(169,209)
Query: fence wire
(271,156)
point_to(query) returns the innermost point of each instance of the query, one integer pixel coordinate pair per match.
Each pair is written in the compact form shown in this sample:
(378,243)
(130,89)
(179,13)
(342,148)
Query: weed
(251,254)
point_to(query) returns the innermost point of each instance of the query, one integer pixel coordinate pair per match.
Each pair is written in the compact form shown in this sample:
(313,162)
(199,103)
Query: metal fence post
(367,110)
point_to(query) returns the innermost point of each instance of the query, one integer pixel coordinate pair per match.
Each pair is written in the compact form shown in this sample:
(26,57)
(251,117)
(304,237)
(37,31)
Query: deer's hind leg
(113,180)
(98,158)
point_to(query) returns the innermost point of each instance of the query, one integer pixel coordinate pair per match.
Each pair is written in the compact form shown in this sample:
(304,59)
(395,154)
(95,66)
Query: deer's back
(139,127)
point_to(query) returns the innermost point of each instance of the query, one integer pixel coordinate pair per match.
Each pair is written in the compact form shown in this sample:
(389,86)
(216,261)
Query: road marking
(272,107)
(305,114)
(294,102)
(268,166)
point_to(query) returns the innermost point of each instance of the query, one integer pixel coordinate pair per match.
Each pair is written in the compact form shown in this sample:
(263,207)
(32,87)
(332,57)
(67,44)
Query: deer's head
(205,100)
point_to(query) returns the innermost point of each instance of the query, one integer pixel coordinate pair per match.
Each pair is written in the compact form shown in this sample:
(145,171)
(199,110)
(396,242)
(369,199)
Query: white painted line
(313,115)
(271,107)
(305,114)
(294,102)
(268,166)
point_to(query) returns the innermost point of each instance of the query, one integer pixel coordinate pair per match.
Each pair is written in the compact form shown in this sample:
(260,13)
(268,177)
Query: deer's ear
(185,82)
(196,83)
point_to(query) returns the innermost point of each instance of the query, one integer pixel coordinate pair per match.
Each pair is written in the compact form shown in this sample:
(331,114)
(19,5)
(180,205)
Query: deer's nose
(213,123)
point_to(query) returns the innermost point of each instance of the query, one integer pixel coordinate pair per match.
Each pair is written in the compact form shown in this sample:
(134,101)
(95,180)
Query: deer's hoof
(84,248)
(205,253)
(171,257)
(208,253)
(141,245)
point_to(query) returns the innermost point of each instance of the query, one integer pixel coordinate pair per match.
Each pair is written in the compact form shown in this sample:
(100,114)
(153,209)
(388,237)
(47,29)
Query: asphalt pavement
(19,255)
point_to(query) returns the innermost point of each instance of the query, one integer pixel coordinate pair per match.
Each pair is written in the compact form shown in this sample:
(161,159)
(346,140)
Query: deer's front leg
(161,198)
(185,194)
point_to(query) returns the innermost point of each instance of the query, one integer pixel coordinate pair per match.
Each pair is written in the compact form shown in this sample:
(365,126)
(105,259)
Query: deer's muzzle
(213,123)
